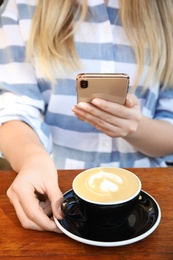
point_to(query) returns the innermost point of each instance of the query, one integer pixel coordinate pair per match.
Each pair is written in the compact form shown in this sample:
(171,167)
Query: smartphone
(109,86)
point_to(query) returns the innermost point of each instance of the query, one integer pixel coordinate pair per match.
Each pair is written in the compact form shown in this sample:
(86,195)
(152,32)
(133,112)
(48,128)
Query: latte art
(106,185)
(104,182)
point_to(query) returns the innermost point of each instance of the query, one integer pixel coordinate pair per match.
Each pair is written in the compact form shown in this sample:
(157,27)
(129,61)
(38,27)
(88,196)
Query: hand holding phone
(109,86)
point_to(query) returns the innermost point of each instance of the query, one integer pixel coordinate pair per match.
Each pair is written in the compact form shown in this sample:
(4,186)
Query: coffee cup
(103,197)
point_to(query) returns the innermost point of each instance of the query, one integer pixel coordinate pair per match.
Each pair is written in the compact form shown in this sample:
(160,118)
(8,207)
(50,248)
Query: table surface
(19,243)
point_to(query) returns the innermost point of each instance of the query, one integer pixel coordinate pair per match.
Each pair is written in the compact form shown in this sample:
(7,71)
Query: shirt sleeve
(20,95)
(23,108)
(164,109)
(164,112)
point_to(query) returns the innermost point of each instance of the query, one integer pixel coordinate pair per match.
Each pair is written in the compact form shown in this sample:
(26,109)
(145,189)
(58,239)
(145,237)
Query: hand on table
(34,195)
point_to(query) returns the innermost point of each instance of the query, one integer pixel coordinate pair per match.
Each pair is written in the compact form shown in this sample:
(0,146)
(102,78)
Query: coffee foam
(104,182)
(106,185)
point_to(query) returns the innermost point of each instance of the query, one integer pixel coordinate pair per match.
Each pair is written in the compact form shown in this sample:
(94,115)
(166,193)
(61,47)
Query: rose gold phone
(109,86)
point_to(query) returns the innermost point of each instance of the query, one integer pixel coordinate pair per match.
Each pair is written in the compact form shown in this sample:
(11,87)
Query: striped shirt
(102,46)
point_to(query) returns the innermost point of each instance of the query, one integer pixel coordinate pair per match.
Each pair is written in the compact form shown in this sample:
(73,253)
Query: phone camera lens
(84,84)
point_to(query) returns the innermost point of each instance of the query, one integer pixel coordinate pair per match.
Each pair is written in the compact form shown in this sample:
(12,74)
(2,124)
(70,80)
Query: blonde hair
(51,39)
(148,25)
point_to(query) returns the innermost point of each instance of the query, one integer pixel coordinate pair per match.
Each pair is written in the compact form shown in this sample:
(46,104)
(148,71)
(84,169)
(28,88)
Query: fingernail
(60,213)
(129,102)
(82,106)
(96,102)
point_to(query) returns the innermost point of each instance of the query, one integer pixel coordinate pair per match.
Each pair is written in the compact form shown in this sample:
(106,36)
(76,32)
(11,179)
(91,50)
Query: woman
(39,64)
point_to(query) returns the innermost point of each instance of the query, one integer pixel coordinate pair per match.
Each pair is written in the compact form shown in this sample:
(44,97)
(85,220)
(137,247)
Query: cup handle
(70,209)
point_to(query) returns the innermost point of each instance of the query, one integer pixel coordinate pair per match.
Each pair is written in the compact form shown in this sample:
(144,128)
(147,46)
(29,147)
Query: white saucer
(141,223)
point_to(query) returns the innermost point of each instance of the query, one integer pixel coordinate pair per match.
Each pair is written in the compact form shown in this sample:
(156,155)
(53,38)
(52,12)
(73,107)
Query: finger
(128,102)
(119,122)
(100,118)
(33,215)
(46,207)
(131,100)
(113,126)
(112,129)
(56,198)
(102,109)
(24,220)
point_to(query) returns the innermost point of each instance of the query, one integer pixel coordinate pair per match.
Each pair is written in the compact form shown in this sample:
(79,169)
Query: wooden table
(19,243)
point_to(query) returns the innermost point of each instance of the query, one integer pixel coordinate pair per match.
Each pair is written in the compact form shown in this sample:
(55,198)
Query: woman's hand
(35,194)
(112,119)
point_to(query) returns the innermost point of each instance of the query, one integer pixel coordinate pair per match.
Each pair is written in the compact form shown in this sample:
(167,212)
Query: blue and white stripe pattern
(24,95)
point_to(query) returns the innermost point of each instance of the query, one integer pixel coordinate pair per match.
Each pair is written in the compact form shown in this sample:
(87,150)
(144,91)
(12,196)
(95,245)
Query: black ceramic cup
(103,197)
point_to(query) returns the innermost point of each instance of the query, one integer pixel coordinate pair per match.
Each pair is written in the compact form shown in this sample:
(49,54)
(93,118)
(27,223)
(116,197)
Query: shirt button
(106,144)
